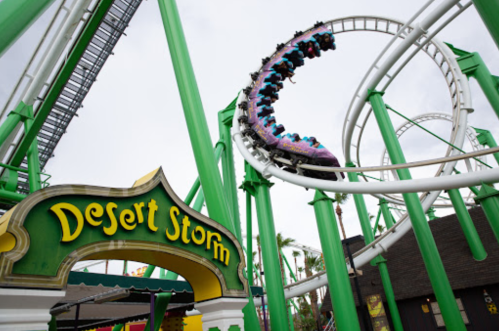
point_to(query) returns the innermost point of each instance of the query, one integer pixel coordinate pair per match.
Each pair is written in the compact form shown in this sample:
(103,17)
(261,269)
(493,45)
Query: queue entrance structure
(48,232)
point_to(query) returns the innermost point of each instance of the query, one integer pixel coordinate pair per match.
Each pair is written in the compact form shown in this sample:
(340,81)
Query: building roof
(86,288)
(407,271)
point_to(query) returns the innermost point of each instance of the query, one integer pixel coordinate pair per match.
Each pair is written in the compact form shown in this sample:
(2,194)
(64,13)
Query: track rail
(70,97)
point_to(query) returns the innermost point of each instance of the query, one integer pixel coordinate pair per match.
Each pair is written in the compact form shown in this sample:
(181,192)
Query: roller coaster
(58,77)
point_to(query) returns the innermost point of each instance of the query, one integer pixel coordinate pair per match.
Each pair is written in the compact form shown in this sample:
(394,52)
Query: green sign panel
(56,227)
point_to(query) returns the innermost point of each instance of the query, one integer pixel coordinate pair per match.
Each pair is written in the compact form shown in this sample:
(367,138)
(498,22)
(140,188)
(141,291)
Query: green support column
(216,201)
(360,205)
(192,192)
(385,276)
(485,138)
(161,304)
(488,198)
(16,16)
(369,238)
(289,267)
(431,214)
(34,171)
(12,120)
(288,303)
(228,171)
(467,225)
(472,65)
(259,188)
(387,215)
(431,257)
(488,10)
(344,309)
(249,239)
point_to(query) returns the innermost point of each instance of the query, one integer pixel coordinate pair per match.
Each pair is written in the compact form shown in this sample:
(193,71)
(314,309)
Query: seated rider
(277,130)
(268,89)
(296,57)
(294,137)
(285,68)
(264,101)
(314,143)
(326,41)
(269,120)
(273,78)
(310,48)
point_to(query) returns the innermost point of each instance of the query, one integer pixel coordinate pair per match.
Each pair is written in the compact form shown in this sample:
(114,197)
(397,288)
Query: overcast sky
(132,121)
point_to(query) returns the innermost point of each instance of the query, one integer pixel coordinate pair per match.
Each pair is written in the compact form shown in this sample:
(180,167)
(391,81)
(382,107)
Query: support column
(288,303)
(259,187)
(385,276)
(12,120)
(34,171)
(228,171)
(223,314)
(216,201)
(344,310)
(379,261)
(486,138)
(22,309)
(488,198)
(251,321)
(488,12)
(16,16)
(467,225)
(387,215)
(472,65)
(431,214)
(431,257)
(249,240)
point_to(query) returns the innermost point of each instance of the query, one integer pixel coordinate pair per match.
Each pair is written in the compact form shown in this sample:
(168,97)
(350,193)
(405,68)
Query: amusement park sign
(59,226)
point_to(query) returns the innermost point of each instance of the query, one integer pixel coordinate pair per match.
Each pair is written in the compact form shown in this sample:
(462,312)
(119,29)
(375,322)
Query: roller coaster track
(62,99)
(385,68)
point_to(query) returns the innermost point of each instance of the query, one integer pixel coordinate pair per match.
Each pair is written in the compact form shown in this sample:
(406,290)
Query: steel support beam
(228,170)
(469,230)
(431,257)
(259,187)
(216,201)
(369,238)
(344,310)
(16,16)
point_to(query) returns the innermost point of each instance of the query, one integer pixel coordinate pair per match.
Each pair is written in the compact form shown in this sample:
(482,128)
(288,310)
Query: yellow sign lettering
(114,223)
(138,209)
(173,215)
(224,252)
(67,236)
(203,235)
(153,207)
(127,217)
(94,210)
(185,227)
(210,235)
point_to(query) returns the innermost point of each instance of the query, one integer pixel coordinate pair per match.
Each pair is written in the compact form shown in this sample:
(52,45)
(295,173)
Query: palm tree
(295,255)
(255,280)
(341,198)
(312,262)
(257,266)
(281,244)
(300,270)
(380,228)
